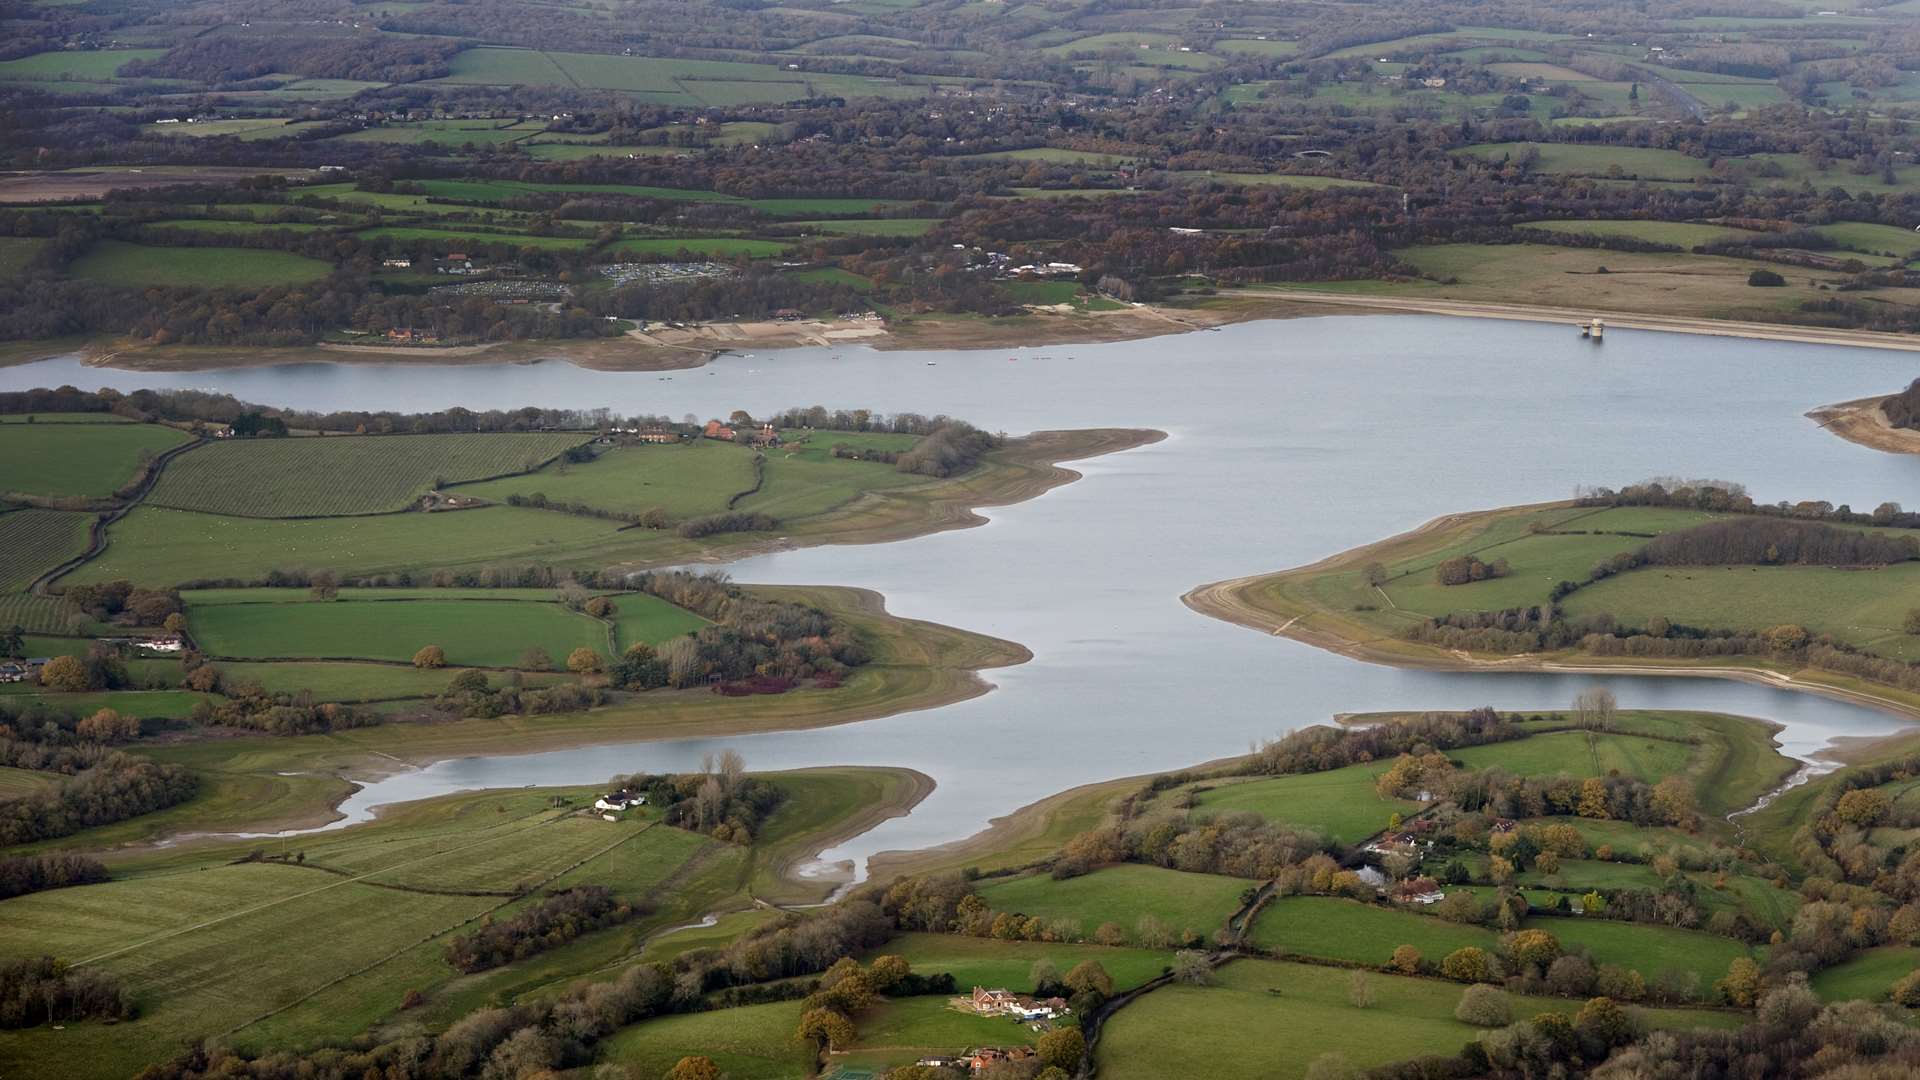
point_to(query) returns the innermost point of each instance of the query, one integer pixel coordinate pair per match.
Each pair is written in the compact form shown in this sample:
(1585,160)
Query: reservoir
(1288,441)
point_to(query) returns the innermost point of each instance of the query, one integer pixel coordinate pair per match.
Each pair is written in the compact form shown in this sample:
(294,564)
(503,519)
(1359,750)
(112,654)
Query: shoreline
(1864,423)
(1230,601)
(926,665)
(648,352)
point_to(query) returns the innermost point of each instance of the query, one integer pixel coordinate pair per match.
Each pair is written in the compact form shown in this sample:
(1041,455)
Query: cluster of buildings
(19,671)
(613,802)
(765,436)
(980,1060)
(986,1002)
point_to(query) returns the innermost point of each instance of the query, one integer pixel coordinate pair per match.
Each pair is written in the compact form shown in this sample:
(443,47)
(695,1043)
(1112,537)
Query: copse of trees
(554,920)
(720,800)
(773,642)
(46,991)
(117,786)
(1772,542)
(24,874)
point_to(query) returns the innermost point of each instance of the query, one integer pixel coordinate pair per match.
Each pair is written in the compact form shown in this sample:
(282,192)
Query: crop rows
(34,541)
(34,614)
(333,476)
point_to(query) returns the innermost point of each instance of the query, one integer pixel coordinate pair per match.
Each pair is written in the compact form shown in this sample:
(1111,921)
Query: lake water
(1289,441)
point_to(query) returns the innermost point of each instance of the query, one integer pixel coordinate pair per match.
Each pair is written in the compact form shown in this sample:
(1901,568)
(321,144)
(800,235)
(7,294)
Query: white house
(619,800)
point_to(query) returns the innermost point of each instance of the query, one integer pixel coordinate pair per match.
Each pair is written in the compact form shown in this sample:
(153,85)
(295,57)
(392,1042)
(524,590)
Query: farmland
(115,262)
(474,633)
(987,962)
(1125,896)
(1333,929)
(333,476)
(1272,1019)
(37,540)
(1339,803)
(88,460)
(686,481)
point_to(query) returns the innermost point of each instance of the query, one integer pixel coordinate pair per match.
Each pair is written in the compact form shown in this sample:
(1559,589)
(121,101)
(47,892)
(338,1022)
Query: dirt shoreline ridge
(1864,423)
(694,347)
(957,678)
(1230,601)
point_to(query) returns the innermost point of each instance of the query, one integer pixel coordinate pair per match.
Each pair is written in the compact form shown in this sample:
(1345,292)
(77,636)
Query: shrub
(1469,964)
(432,656)
(1765,279)
(1484,1006)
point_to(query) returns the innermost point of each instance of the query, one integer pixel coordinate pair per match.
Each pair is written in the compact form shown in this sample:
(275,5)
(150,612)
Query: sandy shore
(1615,320)
(1865,423)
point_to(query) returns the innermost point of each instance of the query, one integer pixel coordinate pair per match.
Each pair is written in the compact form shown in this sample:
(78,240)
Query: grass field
(1867,974)
(69,64)
(723,247)
(162,546)
(1685,234)
(115,262)
(33,541)
(1009,964)
(35,614)
(1335,929)
(1647,949)
(185,928)
(1270,1020)
(1576,159)
(1339,803)
(755,1042)
(474,633)
(320,477)
(264,127)
(686,481)
(872,226)
(1581,755)
(1123,895)
(801,483)
(88,460)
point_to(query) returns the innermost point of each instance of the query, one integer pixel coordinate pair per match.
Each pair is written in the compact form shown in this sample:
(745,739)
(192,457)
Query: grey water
(1288,441)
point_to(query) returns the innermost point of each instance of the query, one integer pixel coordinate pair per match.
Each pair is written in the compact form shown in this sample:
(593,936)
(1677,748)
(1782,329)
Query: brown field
(31,187)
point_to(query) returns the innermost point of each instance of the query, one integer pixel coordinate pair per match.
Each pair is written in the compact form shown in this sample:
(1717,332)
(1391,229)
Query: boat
(1594,330)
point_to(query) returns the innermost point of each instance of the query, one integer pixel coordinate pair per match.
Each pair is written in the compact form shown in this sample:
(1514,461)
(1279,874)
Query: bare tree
(1594,709)
(732,769)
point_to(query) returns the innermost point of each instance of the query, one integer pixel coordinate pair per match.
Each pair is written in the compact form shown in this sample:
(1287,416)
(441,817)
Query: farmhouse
(986,1057)
(169,643)
(619,800)
(995,1002)
(658,436)
(1423,890)
(397,264)
(717,430)
(12,672)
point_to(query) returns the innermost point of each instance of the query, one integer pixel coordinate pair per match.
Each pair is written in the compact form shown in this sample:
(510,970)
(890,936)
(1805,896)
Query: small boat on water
(1594,331)
(932,364)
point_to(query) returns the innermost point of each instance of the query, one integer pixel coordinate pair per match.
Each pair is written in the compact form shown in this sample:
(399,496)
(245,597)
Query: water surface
(1289,441)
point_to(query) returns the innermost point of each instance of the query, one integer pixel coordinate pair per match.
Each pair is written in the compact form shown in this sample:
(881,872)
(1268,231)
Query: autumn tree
(1406,960)
(583,661)
(1741,986)
(1595,709)
(1089,975)
(826,1028)
(64,673)
(1467,964)
(1062,1048)
(432,656)
(1484,1006)
(697,1067)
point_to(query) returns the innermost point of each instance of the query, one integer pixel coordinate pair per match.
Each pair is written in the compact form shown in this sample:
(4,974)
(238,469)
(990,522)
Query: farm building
(619,800)
(717,430)
(1422,890)
(995,1002)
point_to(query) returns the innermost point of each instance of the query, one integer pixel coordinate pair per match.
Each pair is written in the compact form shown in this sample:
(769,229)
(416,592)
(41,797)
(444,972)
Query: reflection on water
(1289,441)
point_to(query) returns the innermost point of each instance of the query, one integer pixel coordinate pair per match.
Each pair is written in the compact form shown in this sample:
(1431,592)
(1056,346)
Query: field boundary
(97,541)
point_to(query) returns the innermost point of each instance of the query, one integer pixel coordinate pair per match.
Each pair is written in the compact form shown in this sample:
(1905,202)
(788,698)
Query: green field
(754,1042)
(1333,929)
(1685,234)
(82,459)
(456,238)
(1123,895)
(803,482)
(1339,803)
(1580,754)
(36,614)
(1647,949)
(1872,239)
(115,262)
(188,944)
(74,64)
(474,633)
(446,132)
(724,247)
(687,480)
(221,225)
(33,541)
(872,226)
(263,127)
(1009,964)
(1867,974)
(353,682)
(1268,1019)
(1579,159)
(331,476)
(160,546)
(1864,608)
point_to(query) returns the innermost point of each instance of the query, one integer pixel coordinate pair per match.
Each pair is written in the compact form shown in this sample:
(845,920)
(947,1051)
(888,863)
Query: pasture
(87,460)
(687,480)
(341,475)
(802,483)
(1009,964)
(33,541)
(1866,975)
(474,633)
(1582,754)
(1124,895)
(1271,1020)
(158,546)
(1683,233)
(1648,949)
(1340,804)
(754,1042)
(115,262)
(96,64)
(1575,159)
(1330,928)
